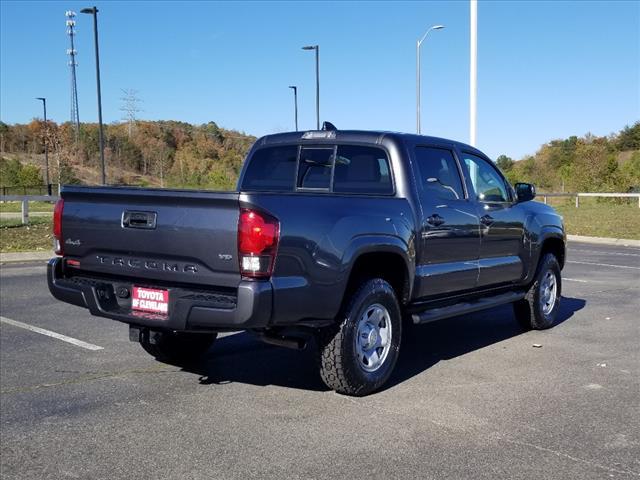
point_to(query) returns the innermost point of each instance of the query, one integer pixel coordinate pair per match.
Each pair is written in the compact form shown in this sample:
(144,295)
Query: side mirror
(525,192)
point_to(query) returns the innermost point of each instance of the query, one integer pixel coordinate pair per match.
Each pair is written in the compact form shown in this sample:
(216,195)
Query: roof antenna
(328,126)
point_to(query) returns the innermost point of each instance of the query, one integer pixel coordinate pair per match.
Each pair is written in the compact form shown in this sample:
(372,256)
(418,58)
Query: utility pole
(46,144)
(94,11)
(473,71)
(71,31)
(295,102)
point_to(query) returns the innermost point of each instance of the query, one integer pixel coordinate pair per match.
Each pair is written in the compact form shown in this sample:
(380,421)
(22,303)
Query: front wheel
(539,308)
(358,354)
(177,348)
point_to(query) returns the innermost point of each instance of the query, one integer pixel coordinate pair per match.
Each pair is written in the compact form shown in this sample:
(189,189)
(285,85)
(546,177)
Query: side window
(438,173)
(271,169)
(487,182)
(314,171)
(362,170)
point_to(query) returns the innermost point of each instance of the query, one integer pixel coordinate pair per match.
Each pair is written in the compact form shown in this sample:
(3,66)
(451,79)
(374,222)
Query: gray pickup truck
(333,236)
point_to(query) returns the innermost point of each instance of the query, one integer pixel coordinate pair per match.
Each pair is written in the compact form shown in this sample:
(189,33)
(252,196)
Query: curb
(622,242)
(23,257)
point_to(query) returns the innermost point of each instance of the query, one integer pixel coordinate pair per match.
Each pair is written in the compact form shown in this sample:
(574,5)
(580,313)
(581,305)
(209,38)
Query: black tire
(177,348)
(342,366)
(530,311)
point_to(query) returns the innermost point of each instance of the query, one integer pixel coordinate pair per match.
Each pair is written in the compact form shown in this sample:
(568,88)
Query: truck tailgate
(172,236)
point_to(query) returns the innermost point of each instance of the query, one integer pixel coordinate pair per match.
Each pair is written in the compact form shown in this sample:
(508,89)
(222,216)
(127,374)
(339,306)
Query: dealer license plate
(150,300)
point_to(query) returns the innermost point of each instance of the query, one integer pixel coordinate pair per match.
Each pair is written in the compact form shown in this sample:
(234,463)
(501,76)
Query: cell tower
(71,31)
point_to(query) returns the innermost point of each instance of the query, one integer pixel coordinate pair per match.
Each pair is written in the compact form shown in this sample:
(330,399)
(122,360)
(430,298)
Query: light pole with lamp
(46,144)
(418,44)
(94,11)
(295,102)
(317,49)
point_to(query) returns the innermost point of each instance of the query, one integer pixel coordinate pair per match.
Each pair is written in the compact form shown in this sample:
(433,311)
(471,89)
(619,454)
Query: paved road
(471,397)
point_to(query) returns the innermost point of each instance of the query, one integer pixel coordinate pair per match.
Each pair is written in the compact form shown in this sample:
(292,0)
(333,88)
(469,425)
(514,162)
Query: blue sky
(545,69)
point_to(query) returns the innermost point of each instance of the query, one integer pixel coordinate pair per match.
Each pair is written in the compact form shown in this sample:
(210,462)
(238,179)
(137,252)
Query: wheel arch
(550,240)
(384,257)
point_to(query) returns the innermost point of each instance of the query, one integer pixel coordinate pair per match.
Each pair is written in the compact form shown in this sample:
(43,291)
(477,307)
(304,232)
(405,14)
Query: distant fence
(578,196)
(33,190)
(25,199)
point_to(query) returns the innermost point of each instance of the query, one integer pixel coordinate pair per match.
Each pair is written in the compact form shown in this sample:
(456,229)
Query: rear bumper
(189,310)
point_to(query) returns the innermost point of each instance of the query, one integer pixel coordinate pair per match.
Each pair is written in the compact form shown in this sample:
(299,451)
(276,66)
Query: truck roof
(359,136)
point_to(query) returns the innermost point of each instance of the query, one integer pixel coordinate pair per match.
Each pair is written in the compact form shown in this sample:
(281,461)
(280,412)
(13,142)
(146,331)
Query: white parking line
(604,252)
(604,265)
(49,333)
(574,280)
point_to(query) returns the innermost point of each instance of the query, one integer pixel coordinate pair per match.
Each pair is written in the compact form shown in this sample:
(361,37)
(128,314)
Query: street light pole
(418,85)
(46,144)
(317,49)
(94,11)
(473,71)
(295,102)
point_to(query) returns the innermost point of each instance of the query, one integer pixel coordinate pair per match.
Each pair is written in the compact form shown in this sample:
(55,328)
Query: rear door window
(271,169)
(439,174)
(362,169)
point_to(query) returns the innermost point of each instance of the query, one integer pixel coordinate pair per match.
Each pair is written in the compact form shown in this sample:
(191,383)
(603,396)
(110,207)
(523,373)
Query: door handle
(486,220)
(136,219)
(435,220)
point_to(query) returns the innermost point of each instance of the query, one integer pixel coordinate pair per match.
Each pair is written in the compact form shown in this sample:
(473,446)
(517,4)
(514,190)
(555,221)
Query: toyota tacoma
(337,236)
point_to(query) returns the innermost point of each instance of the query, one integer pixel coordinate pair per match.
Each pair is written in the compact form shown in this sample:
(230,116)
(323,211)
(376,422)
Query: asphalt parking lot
(471,396)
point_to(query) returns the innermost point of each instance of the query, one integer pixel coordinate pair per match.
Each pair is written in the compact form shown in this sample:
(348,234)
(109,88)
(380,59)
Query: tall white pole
(473,71)
(418,87)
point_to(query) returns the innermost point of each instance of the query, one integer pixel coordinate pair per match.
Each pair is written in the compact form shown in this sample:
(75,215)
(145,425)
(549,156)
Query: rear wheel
(539,309)
(358,354)
(176,348)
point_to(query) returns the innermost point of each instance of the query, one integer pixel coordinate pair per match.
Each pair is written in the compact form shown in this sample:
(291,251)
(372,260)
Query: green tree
(504,163)
(629,137)
(30,176)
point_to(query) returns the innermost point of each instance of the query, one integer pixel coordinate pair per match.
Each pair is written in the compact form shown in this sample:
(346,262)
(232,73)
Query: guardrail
(580,195)
(25,199)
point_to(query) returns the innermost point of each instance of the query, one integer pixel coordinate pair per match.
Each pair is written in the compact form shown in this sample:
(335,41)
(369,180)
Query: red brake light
(57,227)
(258,235)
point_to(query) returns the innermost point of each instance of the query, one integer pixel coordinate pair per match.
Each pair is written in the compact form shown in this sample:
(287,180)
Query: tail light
(258,235)
(57,227)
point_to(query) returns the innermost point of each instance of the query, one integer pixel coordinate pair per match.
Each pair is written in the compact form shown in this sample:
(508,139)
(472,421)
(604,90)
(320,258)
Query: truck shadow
(426,345)
(242,358)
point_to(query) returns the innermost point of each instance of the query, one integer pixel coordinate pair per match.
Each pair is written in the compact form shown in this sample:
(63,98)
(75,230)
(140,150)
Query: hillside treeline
(163,153)
(582,164)
(178,154)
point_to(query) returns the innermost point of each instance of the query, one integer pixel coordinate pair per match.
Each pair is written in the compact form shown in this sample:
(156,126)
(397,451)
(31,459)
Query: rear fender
(362,245)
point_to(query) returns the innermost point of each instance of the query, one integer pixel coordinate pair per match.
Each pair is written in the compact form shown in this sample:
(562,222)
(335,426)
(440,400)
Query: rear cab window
(271,169)
(361,169)
(343,169)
